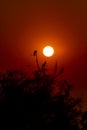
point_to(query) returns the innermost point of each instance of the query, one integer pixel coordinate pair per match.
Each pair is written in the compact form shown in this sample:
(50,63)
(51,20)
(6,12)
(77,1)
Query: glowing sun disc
(48,51)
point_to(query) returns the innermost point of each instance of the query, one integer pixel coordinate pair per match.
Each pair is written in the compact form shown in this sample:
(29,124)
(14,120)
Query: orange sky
(29,25)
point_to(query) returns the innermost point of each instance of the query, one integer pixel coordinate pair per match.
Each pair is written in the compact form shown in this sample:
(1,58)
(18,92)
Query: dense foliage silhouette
(31,103)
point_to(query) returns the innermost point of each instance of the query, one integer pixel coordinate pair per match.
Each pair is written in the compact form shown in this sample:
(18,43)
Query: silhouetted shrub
(29,103)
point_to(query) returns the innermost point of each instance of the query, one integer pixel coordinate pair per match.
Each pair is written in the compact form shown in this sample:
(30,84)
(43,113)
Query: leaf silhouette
(62,70)
(44,64)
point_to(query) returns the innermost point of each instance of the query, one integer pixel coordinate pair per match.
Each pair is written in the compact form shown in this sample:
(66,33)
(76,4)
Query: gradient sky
(29,25)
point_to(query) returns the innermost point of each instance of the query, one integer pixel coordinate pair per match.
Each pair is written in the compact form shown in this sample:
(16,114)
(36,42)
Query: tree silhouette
(30,103)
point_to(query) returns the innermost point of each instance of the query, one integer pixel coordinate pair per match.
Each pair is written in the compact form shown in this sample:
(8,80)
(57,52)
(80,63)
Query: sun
(48,51)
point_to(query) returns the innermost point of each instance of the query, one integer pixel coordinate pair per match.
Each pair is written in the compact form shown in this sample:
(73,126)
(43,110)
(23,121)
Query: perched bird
(35,52)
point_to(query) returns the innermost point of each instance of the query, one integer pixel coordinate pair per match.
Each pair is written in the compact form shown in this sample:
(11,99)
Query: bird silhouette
(35,52)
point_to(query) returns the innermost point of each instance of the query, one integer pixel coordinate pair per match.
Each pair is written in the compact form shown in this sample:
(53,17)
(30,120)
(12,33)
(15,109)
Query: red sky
(29,25)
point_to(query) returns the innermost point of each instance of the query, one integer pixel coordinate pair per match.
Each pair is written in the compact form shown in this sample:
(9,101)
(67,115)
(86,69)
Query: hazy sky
(28,25)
